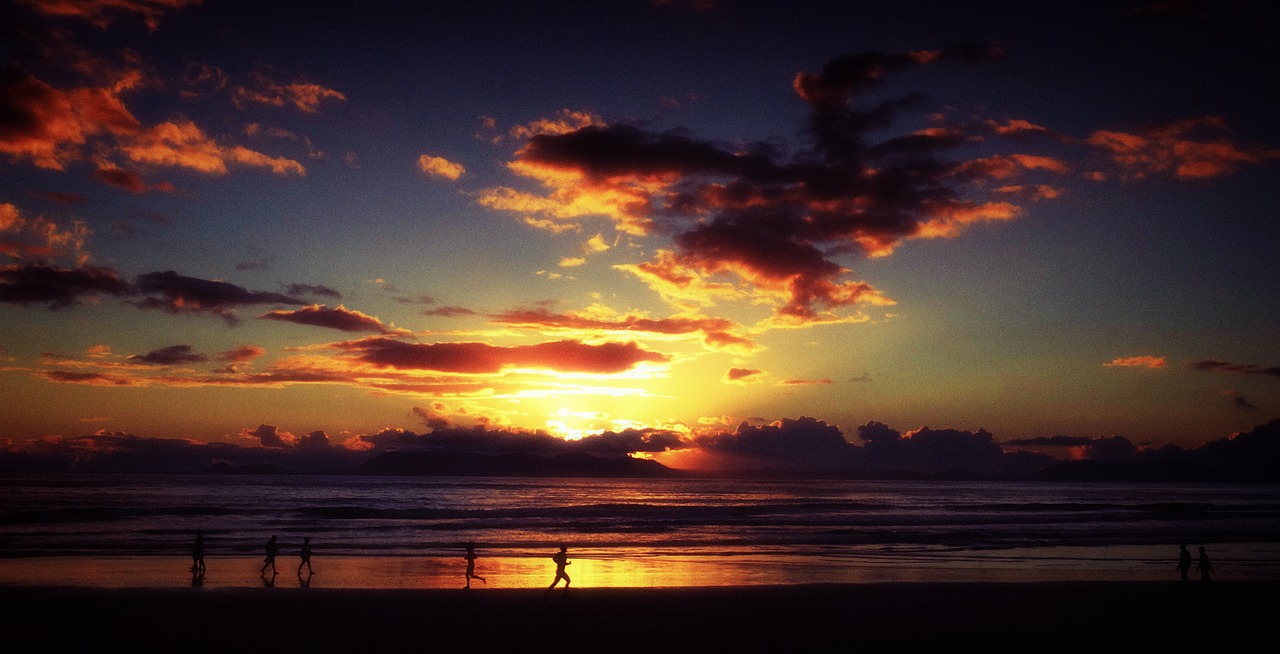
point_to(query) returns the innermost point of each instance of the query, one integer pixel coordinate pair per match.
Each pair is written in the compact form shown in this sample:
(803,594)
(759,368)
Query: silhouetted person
(197,554)
(306,556)
(270,560)
(1204,567)
(471,565)
(562,559)
(1184,561)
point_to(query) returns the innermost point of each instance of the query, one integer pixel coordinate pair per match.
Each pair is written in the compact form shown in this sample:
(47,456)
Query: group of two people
(1203,566)
(273,549)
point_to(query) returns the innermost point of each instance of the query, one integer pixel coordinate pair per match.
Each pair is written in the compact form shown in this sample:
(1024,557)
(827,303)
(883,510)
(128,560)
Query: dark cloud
(807,444)
(1211,365)
(1242,403)
(241,354)
(630,441)
(268,436)
(1051,441)
(253,265)
(313,289)
(937,451)
(803,443)
(122,452)
(449,312)
(480,358)
(58,287)
(170,356)
(481,440)
(1114,449)
(339,317)
(775,220)
(122,179)
(176,293)
(314,441)
(89,378)
(64,197)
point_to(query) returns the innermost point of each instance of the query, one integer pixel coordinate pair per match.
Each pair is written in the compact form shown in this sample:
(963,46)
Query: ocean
(111,530)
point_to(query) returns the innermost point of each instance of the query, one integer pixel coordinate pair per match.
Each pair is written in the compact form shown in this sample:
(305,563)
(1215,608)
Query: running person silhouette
(562,559)
(471,565)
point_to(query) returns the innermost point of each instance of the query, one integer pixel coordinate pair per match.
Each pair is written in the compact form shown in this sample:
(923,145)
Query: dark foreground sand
(898,617)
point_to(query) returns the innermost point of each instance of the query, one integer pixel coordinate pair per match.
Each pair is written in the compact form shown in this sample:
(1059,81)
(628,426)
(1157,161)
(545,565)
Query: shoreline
(336,572)
(1033,616)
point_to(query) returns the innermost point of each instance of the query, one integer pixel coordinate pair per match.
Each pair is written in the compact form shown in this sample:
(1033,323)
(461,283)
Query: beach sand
(982,617)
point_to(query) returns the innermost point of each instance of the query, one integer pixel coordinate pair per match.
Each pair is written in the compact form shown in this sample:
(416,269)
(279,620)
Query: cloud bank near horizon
(789,447)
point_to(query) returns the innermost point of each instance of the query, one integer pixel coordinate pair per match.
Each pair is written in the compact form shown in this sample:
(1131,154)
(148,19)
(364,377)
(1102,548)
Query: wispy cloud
(339,317)
(440,167)
(1141,361)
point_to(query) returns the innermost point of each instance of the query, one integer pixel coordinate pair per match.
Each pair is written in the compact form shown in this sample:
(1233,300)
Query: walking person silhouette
(306,556)
(562,559)
(197,554)
(471,565)
(1184,561)
(270,560)
(1204,567)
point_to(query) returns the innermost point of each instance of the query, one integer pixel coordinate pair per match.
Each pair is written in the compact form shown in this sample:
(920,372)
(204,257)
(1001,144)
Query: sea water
(410,531)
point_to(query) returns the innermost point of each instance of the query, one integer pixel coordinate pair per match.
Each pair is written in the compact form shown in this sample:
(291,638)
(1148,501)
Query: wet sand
(984,617)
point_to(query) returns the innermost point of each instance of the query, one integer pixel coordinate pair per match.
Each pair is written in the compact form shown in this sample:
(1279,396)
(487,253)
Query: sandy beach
(1059,616)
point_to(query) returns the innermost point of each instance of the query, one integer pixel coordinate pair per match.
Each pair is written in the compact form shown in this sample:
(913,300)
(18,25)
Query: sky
(282,223)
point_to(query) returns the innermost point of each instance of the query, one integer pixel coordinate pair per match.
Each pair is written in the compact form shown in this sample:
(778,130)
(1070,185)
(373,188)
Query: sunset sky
(228,221)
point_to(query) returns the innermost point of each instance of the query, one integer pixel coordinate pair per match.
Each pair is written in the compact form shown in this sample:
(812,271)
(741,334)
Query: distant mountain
(463,464)
(1163,471)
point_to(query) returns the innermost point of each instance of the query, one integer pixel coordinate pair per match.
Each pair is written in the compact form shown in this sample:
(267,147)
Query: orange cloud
(1016,126)
(40,238)
(756,222)
(440,167)
(949,221)
(303,96)
(742,375)
(1188,149)
(1007,165)
(566,121)
(805,382)
(184,145)
(717,332)
(1144,361)
(49,126)
(91,378)
(679,284)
